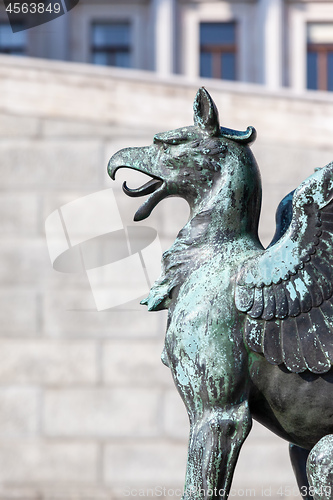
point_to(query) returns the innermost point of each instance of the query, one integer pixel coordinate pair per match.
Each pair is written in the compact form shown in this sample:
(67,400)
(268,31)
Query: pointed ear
(206,115)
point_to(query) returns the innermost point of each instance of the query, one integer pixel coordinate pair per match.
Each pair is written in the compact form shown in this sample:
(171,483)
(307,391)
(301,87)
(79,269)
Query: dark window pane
(100,58)
(123,59)
(12,43)
(113,34)
(15,52)
(111,44)
(206,65)
(330,70)
(312,70)
(217,33)
(228,64)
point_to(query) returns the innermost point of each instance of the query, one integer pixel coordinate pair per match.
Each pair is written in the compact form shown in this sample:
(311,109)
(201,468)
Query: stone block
(289,164)
(73,312)
(58,127)
(101,412)
(175,419)
(54,199)
(58,164)
(135,362)
(56,491)
(259,462)
(18,312)
(19,412)
(19,214)
(15,125)
(144,464)
(48,362)
(76,493)
(18,493)
(26,259)
(54,279)
(46,461)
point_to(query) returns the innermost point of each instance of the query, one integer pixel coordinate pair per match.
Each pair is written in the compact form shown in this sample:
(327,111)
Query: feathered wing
(286,290)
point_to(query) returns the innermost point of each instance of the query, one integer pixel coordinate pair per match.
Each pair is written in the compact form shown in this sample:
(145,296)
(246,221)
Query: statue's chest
(203,333)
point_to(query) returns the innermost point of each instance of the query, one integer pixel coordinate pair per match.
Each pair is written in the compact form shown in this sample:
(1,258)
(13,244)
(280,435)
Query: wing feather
(320,279)
(294,305)
(269,305)
(244,298)
(272,342)
(286,290)
(291,348)
(258,304)
(253,333)
(304,295)
(322,264)
(323,331)
(281,301)
(312,287)
(312,350)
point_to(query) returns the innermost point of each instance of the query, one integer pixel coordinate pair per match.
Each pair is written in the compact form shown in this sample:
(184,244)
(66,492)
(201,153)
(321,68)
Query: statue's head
(185,162)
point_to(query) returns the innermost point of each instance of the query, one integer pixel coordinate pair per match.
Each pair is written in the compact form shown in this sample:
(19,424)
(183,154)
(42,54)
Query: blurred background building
(278,43)
(87,410)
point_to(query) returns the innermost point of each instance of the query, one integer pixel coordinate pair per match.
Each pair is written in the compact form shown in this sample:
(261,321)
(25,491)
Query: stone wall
(87,410)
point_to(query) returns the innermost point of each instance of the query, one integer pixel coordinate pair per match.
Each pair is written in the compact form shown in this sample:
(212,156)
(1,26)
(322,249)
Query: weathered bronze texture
(250,330)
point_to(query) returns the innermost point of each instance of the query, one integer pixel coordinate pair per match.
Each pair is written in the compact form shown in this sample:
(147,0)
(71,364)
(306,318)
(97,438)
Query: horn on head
(207,118)
(247,137)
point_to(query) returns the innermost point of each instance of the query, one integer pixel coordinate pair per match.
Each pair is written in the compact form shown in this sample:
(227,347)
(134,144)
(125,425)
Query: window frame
(110,49)
(12,50)
(218,49)
(322,50)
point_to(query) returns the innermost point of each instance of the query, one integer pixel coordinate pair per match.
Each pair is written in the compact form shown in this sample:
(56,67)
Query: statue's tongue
(147,188)
(146,208)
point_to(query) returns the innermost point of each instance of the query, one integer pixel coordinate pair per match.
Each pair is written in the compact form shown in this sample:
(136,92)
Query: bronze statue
(250,330)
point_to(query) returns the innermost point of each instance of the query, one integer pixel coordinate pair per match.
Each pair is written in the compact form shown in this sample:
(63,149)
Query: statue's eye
(165,146)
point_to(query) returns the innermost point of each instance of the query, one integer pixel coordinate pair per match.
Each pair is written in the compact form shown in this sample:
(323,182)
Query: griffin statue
(250,330)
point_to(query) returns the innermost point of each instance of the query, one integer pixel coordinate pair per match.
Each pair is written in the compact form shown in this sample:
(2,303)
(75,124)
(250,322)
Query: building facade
(87,409)
(278,43)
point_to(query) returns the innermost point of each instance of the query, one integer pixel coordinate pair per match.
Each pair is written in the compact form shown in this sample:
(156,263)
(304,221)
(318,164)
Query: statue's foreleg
(320,469)
(298,457)
(215,441)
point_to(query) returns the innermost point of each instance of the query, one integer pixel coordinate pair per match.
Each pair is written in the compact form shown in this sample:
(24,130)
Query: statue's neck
(219,225)
(226,216)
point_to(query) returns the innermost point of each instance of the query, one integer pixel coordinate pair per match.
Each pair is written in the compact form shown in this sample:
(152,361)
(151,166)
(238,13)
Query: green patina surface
(250,330)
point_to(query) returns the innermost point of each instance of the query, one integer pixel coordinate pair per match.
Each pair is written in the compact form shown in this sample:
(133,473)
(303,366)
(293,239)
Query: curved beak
(143,160)
(140,159)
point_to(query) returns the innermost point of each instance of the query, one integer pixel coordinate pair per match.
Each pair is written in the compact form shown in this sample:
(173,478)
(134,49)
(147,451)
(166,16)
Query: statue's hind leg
(320,469)
(298,457)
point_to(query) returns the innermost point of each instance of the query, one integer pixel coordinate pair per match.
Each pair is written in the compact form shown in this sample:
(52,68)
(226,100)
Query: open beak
(141,160)
(147,188)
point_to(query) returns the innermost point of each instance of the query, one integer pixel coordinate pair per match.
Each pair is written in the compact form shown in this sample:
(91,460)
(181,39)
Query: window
(320,56)
(218,50)
(12,43)
(111,44)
